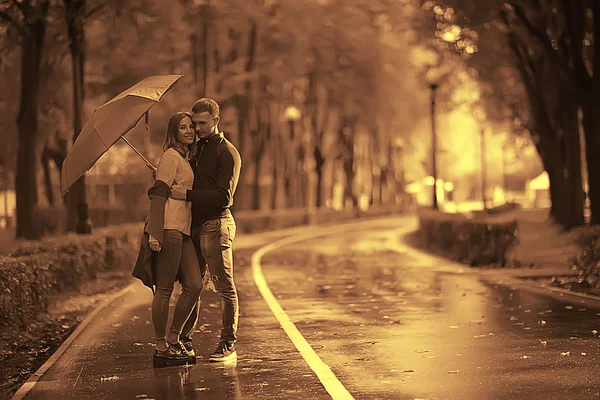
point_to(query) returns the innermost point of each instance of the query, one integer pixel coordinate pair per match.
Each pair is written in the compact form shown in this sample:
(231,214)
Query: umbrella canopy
(109,123)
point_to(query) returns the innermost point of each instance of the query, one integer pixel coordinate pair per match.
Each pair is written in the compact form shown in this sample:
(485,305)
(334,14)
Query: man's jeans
(213,242)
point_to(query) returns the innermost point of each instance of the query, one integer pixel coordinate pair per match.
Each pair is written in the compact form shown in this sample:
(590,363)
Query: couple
(189,232)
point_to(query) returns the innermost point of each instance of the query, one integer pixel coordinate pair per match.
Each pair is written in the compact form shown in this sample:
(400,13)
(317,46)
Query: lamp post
(433,87)
(483,170)
(291,115)
(504,173)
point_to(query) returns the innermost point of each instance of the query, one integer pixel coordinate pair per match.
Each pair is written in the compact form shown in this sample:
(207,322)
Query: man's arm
(221,196)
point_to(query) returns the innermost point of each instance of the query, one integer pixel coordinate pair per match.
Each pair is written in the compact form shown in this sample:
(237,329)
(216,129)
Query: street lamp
(433,87)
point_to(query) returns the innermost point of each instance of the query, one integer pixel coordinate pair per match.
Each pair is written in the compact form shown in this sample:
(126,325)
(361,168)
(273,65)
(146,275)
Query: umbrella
(109,123)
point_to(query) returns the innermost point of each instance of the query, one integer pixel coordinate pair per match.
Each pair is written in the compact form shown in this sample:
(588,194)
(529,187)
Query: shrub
(473,242)
(587,264)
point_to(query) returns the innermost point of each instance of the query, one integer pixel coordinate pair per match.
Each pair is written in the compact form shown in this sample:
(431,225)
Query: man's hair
(206,105)
(173,129)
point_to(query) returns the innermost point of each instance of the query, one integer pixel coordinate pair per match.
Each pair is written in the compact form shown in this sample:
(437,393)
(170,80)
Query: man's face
(204,124)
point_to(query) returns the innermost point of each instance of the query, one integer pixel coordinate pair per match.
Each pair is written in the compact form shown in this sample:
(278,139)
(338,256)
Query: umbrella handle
(148,163)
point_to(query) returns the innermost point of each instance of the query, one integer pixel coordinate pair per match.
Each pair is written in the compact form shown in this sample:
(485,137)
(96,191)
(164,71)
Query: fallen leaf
(524,357)
(565,353)
(568,307)
(109,378)
(457,371)
(583,353)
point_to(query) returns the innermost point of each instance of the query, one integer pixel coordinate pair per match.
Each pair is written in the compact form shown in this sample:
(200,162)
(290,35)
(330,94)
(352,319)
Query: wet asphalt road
(396,327)
(391,325)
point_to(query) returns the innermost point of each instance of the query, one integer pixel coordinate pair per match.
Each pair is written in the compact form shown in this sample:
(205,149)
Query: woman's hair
(173,129)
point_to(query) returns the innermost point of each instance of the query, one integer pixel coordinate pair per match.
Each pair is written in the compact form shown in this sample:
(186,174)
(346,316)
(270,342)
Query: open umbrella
(109,123)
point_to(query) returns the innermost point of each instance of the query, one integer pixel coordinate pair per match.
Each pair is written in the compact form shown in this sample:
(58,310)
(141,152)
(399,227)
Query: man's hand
(153,243)
(178,192)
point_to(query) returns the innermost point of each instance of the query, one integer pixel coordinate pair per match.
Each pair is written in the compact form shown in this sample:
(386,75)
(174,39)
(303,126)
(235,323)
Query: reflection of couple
(190,231)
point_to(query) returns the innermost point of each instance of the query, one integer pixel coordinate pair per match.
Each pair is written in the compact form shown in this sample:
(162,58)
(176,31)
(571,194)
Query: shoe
(186,346)
(224,352)
(172,356)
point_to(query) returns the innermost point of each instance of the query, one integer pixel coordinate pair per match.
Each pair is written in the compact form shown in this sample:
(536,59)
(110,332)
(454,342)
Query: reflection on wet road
(391,324)
(395,327)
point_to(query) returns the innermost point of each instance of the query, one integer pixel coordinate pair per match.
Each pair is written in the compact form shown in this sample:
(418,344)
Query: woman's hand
(154,243)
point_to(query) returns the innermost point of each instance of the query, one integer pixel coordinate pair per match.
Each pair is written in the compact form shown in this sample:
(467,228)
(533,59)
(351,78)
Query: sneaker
(224,352)
(189,349)
(172,356)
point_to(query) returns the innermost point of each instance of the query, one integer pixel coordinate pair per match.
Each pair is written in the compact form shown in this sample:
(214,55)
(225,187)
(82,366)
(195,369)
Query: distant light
(292,113)
(429,180)
(448,186)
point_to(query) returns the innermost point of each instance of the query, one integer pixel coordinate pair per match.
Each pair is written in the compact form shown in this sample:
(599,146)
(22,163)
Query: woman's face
(185,133)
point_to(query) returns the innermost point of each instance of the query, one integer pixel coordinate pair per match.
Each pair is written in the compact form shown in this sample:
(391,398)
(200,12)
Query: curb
(30,383)
(564,295)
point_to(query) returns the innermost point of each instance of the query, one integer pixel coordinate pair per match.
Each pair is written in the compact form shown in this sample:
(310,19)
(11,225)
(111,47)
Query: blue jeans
(213,242)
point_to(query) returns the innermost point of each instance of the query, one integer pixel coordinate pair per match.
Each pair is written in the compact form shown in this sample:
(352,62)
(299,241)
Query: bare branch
(94,11)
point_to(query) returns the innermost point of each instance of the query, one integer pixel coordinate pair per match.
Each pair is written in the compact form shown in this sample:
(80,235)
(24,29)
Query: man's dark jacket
(216,164)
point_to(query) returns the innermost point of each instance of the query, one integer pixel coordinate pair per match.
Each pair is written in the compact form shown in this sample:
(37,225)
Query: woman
(175,255)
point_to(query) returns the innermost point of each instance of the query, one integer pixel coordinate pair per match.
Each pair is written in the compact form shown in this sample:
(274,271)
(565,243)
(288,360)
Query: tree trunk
(319,164)
(573,178)
(32,44)
(77,207)
(591,126)
(243,113)
(47,178)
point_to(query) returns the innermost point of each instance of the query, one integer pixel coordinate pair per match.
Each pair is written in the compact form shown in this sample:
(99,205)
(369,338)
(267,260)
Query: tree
(513,68)
(28,17)
(77,207)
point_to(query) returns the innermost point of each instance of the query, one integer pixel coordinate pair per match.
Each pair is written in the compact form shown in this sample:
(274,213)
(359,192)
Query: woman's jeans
(213,241)
(176,259)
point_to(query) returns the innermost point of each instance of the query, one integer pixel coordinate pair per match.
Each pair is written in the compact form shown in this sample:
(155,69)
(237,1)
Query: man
(216,164)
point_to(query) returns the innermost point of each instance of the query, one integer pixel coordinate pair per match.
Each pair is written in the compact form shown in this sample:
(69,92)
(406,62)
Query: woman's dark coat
(144,265)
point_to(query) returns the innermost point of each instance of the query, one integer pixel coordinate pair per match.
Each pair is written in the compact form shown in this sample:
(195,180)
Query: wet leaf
(109,378)
(524,357)
(117,325)
(583,353)
(568,307)
(565,353)
(594,332)
(542,323)
(201,389)
(138,344)
(513,318)
(543,342)
(457,371)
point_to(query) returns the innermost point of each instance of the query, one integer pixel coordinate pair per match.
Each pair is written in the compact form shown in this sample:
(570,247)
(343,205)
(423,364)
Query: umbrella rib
(100,137)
